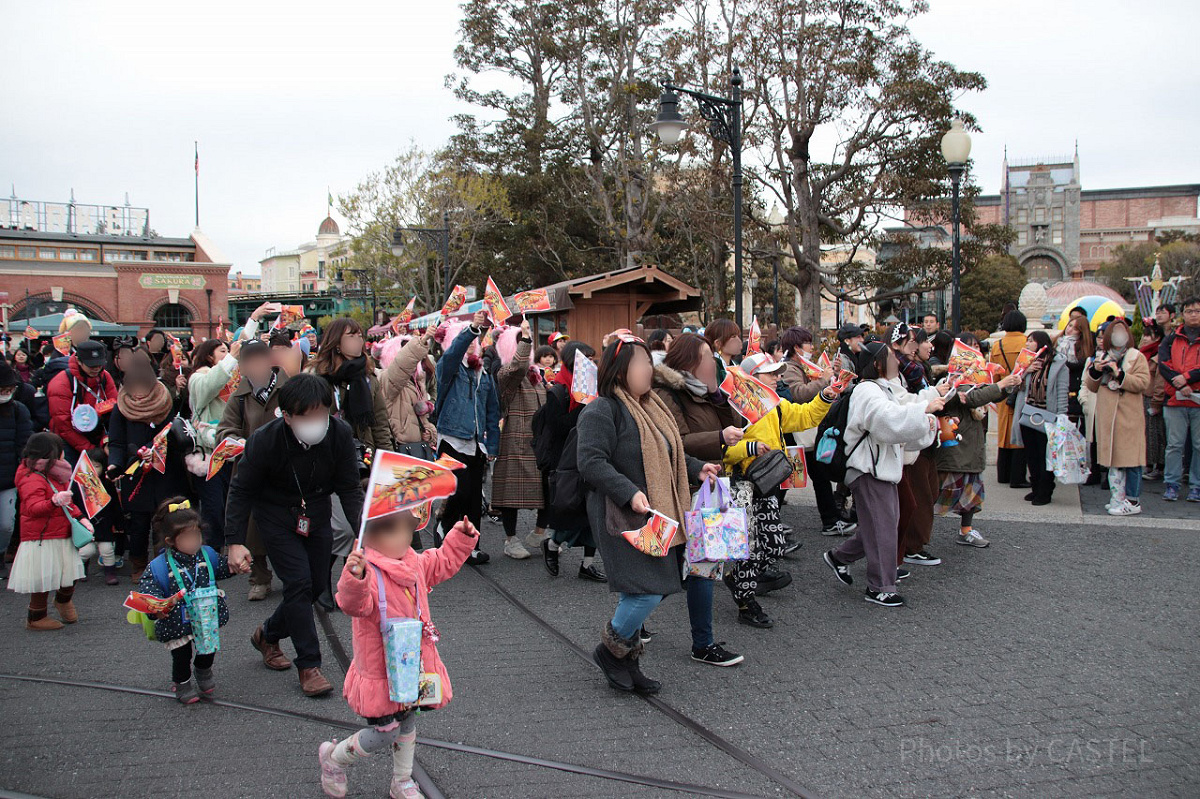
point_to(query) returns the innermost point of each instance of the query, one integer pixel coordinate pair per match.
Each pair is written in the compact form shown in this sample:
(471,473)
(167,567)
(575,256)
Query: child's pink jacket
(366,687)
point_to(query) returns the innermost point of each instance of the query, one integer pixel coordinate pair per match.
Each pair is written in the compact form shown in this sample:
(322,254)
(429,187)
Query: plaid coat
(516,482)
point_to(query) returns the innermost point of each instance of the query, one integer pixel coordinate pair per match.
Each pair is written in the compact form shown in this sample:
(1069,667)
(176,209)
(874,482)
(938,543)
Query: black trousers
(818,476)
(302,565)
(181,662)
(467,499)
(1040,478)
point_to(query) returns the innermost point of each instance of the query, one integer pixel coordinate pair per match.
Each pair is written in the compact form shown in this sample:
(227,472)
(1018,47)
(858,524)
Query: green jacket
(970,456)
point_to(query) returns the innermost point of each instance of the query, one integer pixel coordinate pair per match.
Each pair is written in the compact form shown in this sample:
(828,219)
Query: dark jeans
(212,495)
(1040,478)
(181,662)
(138,531)
(467,499)
(302,565)
(818,475)
(700,610)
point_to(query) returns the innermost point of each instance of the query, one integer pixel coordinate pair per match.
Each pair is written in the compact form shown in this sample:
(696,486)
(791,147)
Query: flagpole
(197,146)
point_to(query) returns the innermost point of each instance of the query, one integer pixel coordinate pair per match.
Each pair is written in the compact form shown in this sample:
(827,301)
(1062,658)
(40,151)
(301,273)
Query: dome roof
(1062,294)
(329,228)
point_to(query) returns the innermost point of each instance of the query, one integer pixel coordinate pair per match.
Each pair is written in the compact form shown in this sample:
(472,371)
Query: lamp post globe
(956,149)
(669,125)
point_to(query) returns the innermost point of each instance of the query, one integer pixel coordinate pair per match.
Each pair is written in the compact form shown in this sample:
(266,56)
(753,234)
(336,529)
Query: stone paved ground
(1062,661)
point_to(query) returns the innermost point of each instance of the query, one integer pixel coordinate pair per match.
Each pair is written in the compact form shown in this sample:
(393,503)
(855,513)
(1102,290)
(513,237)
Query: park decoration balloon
(401,482)
(227,450)
(87,477)
(1098,310)
(754,338)
(749,396)
(585,381)
(493,300)
(655,536)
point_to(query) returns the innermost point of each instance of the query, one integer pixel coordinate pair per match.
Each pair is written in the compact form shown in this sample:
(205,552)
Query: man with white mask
(290,469)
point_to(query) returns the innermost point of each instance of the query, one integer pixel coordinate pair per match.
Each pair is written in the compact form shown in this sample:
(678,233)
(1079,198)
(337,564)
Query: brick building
(1065,231)
(110,264)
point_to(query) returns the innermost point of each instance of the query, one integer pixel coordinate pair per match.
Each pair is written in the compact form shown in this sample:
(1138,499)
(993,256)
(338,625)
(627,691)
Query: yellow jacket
(791,417)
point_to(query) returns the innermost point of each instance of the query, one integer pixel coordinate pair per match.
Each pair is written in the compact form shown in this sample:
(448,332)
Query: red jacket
(87,391)
(41,518)
(1180,356)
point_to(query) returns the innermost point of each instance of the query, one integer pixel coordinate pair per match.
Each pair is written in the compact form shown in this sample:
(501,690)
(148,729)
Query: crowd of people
(311,410)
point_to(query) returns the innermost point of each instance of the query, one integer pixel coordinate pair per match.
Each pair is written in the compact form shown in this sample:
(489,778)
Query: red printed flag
(1025,359)
(85,475)
(967,365)
(824,361)
(158,451)
(401,482)
(754,338)
(230,385)
(62,343)
(31,334)
(496,306)
(812,370)
(532,300)
(799,476)
(227,450)
(748,396)
(458,296)
(400,321)
(655,536)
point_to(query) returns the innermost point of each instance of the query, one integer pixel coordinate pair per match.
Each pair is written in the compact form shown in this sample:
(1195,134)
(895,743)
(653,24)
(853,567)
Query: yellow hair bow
(172,507)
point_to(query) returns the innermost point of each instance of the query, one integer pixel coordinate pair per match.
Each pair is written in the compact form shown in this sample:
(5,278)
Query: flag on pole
(585,381)
(967,365)
(457,297)
(401,482)
(62,343)
(824,362)
(227,450)
(86,476)
(494,301)
(532,300)
(31,333)
(749,396)
(754,338)
(1025,359)
(655,536)
(401,320)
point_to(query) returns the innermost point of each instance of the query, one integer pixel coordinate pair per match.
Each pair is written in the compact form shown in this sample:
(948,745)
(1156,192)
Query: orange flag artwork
(401,482)
(754,338)
(400,321)
(494,301)
(748,396)
(532,300)
(87,477)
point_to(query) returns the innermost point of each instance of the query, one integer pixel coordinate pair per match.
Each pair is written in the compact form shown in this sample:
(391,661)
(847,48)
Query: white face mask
(310,433)
(1120,338)
(6,398)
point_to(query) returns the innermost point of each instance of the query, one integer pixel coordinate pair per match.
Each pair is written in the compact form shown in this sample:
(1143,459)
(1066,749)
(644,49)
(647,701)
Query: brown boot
(313,682)
(44,623)
(272,655)
(136,567)
(66,611)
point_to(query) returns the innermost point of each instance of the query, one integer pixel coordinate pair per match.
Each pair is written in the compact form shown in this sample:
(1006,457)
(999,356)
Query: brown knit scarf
(666,488)
(154,408)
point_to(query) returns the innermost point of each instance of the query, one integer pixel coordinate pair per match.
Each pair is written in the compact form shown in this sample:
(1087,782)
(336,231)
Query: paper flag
(845,377)
(85,475)
(585,381)
(227,450)
(748,396)
(799,476)
(423,513)
(62,343)
(533,300)
(754,338)
(400,321)
(230,385)
(31,334)
(149,603)
(824,361)
(458,296)
(401,482)
(967,365)
(811,370)
(158,451)
(655,536)
(494,301)
(287,315)
(1025,359)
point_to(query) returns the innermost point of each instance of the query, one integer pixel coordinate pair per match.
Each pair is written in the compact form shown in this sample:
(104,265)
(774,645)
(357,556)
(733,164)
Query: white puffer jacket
(891,423)
(906,397)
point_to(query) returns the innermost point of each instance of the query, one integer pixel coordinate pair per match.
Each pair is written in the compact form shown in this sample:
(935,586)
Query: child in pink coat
(408,576)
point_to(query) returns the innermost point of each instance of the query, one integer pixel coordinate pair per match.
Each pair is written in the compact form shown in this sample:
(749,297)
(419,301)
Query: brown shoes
(272,655)
(44,623)
(313,682)
(66,611)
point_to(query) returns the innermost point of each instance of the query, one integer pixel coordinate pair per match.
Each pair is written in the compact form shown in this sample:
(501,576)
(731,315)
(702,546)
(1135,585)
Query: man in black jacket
(288,472)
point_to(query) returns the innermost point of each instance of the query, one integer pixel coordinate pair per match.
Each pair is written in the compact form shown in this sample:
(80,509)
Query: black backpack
(543,444)
(567,489)
(831,437)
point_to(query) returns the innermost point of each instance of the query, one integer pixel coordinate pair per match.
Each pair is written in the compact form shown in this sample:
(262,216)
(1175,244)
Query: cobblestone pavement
(1062,661)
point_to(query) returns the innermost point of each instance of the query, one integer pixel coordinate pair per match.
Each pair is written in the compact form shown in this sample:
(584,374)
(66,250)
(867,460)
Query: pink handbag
(716,529)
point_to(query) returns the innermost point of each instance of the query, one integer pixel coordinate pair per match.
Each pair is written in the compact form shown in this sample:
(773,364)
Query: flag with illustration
(754,338)
(91,488)
(497,308)
(456,300)
(401,482)
(749,396)
(655,536)
(227,450)
(400,321)
(532,300)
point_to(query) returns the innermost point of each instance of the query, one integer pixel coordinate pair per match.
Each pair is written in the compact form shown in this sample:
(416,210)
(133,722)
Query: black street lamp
(724,115)
(956,149)
(437,238)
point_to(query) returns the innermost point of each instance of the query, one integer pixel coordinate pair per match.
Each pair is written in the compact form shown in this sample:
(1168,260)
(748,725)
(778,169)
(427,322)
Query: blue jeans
(8,516)
(632,612)
(1133,482)
(1179,420)
(700,610)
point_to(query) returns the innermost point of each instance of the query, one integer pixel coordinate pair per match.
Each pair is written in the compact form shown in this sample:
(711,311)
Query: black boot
(610,656)
(1004,465)
(641,683)
(1019,474)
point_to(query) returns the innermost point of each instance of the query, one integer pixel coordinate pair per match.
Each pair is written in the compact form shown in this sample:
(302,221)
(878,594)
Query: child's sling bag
(200,607)
(401,648)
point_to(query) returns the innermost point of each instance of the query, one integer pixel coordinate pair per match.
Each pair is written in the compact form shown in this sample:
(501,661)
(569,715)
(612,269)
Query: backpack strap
(159,569)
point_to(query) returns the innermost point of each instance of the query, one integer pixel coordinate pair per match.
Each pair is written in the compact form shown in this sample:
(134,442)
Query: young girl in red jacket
(407,576)
(46,560)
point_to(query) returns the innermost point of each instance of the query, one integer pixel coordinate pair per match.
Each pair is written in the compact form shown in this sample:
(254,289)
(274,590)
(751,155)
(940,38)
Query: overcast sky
(285,100)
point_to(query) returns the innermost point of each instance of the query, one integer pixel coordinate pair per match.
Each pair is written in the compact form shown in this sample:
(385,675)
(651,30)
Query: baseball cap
(91,353)
(556,336)
(760,363)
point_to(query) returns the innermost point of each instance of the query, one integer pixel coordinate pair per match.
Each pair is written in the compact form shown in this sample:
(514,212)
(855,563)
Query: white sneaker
(534,539)
(1125,508)
(405,789)
(514,550)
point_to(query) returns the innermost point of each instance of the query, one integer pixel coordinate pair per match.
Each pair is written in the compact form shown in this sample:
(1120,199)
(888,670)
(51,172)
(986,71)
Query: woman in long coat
(1120,375)
(1011,467)
(516,481)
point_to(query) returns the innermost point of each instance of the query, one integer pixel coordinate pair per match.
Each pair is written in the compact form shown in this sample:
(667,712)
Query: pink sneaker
(333,776)
(405,789)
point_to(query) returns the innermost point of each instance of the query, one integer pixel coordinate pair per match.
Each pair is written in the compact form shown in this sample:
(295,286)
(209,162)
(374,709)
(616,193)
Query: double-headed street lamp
(436,238)
(724,115)
(956,149)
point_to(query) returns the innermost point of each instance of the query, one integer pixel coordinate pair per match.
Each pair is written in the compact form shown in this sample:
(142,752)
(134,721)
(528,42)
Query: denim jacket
(467,406)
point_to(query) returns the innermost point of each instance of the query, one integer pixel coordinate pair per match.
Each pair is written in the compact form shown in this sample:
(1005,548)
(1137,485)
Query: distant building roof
(1068,291)
(329,228)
